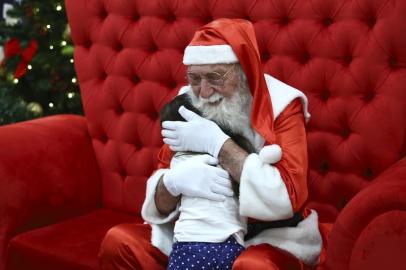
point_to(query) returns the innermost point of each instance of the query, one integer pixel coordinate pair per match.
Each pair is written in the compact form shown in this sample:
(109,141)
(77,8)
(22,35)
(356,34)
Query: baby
(209,232)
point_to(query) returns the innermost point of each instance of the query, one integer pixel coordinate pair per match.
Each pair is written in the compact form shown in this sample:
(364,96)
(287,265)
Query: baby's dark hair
(169,112)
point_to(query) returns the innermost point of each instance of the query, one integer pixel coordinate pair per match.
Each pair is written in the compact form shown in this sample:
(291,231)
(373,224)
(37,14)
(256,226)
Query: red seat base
(72,244)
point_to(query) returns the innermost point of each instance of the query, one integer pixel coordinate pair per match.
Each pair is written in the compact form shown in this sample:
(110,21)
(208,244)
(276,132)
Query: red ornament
(13,48)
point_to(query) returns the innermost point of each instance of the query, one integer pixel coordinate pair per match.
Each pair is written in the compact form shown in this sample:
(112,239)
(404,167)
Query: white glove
(197,134)
(196,177)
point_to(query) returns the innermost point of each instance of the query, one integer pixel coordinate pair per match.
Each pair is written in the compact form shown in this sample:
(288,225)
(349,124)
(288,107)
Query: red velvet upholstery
(69,245)
(48,173)
(348,56)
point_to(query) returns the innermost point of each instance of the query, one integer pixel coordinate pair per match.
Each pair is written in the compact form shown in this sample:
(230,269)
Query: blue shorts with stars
(204,255)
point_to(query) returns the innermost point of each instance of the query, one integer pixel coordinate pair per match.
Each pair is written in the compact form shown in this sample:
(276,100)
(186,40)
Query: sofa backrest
(348,57)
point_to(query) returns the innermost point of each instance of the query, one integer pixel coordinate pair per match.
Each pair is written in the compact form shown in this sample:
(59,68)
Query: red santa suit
(268,192)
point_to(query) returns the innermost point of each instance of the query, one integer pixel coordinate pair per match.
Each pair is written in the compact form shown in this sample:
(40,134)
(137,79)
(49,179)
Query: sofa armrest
(48,172)
(370,232)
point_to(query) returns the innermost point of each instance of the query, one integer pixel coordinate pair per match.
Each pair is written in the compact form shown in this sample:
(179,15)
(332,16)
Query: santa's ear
(270,154)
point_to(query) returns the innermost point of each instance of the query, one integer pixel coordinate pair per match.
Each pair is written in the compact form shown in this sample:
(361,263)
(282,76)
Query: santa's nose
(205,89)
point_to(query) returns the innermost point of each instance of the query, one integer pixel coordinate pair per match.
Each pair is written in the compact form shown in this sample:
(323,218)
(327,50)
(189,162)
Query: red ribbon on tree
(13,48)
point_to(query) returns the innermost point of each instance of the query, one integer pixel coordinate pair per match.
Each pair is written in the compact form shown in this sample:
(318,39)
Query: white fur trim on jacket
(162,226)
(263,193)
(282,95)
(214,54)
(303,241)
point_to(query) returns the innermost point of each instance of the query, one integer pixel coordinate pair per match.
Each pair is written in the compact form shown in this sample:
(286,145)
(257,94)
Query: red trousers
(128,247)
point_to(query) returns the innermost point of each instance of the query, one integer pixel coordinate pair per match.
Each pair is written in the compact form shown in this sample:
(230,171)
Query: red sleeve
(291,136)
(164,157)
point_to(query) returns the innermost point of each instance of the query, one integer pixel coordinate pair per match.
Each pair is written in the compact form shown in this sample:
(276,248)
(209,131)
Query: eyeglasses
(212,78)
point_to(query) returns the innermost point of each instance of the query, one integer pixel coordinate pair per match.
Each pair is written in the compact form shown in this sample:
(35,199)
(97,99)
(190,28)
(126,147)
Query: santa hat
(227,41)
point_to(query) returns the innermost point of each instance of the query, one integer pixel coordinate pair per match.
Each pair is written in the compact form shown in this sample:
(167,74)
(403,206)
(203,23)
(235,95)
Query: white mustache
(213,98)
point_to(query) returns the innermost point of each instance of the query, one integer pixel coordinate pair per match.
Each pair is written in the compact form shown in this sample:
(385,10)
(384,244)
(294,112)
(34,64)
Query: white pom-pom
(270,154)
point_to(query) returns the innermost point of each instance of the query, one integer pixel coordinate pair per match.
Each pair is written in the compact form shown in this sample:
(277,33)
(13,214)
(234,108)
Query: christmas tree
(37,76)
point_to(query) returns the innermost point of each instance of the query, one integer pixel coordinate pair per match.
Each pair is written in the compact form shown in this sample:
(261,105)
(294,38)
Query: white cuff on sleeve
(149,210)
(263,194)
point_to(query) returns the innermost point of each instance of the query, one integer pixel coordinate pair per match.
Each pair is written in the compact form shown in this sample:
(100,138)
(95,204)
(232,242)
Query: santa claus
(190,209)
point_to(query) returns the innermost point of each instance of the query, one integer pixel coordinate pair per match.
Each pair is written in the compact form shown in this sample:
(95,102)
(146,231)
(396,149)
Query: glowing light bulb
(29,67)
(58,7)
(71,95)
(51,47)
(74,80)
(48,26)
(71,60)
(51,105)
(63,43)
(15,80)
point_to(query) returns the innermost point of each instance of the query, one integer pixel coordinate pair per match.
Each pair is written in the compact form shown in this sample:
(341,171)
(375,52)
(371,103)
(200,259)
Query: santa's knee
(254,263)
(266,257)
(113,248)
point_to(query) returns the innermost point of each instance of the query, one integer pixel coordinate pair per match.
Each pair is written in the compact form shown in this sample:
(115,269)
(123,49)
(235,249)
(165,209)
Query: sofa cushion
(72,244)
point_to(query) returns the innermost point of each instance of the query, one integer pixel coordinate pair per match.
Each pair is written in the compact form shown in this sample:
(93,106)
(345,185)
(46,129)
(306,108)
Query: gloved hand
(198,177)
(197,134)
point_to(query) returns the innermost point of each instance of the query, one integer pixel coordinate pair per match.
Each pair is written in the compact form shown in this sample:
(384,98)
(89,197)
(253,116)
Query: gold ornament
(35,108)
(66,32)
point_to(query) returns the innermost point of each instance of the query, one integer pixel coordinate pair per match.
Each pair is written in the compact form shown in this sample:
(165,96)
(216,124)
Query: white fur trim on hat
(270,154)
(214,54)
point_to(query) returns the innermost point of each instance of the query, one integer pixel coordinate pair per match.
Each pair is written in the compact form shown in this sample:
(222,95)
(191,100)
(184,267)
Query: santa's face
(228,103)
(213,82)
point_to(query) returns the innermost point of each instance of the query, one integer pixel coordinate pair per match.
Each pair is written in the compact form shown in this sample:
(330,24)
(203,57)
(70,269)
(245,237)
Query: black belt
(255,228)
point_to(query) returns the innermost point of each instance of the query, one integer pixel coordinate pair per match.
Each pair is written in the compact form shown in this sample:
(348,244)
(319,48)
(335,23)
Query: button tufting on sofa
(324,168)
(284,20)
(347,60)
(104,138)
(327,21)
(118,47)
(171,18)
(305,58)
(122,172)
(371,22)
(265,56)
(369,96)
(393,63)
(325,94)
(119,109)
(87,44)
(153,48)
(368,173)
(136,17)
(345,132)
(135,79)
(103,75)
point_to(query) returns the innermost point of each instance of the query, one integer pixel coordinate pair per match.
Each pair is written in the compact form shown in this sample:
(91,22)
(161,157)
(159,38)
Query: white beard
(232,113)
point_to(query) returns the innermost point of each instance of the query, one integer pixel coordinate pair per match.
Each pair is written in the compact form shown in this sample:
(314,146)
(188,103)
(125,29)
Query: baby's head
(170,110)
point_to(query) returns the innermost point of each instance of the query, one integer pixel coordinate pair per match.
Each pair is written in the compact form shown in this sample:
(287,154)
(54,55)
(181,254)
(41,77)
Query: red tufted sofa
(65,180)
